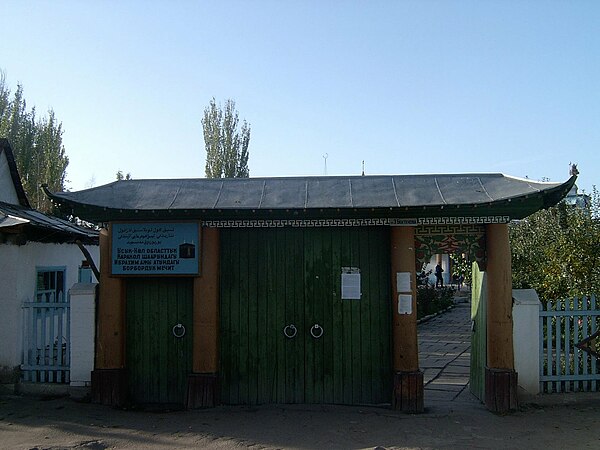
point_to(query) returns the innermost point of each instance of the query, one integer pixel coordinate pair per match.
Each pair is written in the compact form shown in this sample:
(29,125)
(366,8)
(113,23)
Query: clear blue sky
(406,86)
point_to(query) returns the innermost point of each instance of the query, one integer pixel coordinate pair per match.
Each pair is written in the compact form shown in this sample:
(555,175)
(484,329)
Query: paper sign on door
(404,304)
(403,282)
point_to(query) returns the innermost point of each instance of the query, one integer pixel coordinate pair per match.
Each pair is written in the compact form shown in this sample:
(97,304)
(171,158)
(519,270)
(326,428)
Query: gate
(287,336)
(46,338)
(159,339)
(478,333)
(570,345)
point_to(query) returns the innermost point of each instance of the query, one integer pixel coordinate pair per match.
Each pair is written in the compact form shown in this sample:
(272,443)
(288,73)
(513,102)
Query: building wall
(7,189)
(18,277)
(526,329)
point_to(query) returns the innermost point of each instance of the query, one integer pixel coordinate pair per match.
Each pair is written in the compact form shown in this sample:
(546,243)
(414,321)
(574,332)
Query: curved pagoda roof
(380,196)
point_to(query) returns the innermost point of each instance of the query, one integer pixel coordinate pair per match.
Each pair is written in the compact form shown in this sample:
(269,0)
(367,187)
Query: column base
(408,392)
(109,386)
(202,391)
(501,390)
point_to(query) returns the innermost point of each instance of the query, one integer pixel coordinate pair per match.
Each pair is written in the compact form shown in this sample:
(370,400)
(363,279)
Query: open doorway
(445,339)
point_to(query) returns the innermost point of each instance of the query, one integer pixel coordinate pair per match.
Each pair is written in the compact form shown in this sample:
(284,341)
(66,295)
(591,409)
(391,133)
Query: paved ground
(444,356)
(453,417)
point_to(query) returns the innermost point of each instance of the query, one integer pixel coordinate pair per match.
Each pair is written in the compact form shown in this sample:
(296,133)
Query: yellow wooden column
(108,377)
(500,376)
(408,379)
(202,383)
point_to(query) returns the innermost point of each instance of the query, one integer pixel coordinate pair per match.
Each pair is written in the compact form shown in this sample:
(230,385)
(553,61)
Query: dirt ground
(566,421)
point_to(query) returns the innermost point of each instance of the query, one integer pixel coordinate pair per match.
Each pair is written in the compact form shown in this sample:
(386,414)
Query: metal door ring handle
(181,333)
(290,334)
(318,328)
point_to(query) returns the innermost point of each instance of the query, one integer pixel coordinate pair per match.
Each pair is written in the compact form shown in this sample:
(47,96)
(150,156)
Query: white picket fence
(46,339)
(564,324)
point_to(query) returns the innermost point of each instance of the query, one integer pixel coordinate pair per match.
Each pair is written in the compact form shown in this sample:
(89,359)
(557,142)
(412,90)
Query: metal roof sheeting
(13,216)
(392,196)
(8,221)
(306,192)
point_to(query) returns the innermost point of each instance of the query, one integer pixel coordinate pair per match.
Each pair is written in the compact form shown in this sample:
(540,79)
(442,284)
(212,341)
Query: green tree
(461,266)
(225,142)
(36,143)
(557,251)
(121,177)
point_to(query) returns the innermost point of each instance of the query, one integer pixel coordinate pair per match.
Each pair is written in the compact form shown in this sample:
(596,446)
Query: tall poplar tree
(225,142)
(36,143)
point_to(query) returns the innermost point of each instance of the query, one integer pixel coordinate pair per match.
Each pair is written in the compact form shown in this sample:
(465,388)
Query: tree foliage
(122,177)
(557,251)
(226,143)
(36,143)
(461,266)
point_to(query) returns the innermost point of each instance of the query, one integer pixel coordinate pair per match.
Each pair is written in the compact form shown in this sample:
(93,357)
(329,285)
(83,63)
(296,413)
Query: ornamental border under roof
(355,222)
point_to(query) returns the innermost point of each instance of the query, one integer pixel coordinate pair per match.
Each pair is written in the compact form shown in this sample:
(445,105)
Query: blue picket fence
(570,345)
(46,339)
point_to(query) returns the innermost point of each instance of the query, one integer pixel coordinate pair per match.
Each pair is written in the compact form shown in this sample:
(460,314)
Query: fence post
(82,298)
(526,338)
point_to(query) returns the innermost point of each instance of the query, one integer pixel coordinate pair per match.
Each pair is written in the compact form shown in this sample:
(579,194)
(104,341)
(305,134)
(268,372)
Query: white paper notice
(403,282)
(351,286)
(404,304)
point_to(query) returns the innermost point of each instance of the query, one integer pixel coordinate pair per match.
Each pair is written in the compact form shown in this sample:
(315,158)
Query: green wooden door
(291,277)
(478,332)
(159,361)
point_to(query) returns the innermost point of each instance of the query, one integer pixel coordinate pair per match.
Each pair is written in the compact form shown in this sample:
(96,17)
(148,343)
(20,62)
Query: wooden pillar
(500,376)
(408,379)
(109,376)
(202,383)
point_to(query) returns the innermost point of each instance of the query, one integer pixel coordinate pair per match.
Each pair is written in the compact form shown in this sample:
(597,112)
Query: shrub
(431,300)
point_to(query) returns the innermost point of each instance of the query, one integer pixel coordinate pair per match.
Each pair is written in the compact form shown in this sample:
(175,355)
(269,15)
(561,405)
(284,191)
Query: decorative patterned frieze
(428,230)
(310,223)
(435,221)
(471,245)
(462,220)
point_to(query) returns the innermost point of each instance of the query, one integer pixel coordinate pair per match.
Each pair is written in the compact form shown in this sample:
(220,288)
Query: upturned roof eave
(515,207)
(512,208)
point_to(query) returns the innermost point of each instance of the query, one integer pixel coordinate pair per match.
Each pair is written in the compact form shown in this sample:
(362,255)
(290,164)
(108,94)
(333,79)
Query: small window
(50,285)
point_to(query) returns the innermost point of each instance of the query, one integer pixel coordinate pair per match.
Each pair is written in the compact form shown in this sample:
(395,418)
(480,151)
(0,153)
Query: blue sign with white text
(155,248)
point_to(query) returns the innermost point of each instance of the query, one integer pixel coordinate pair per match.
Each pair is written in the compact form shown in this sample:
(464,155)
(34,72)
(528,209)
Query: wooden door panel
(158,362)
(479,332)
(271,278)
